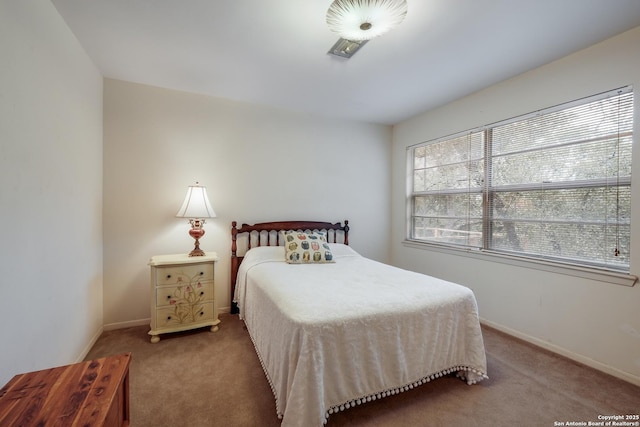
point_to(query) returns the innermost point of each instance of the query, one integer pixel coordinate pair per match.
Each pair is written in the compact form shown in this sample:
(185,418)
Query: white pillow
(264,253)
(340,250)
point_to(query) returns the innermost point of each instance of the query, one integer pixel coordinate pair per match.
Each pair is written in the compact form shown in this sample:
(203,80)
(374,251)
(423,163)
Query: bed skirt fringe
(467,374)
(266,374)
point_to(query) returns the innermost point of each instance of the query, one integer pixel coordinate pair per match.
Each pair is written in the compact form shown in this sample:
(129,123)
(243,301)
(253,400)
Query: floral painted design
(187,301)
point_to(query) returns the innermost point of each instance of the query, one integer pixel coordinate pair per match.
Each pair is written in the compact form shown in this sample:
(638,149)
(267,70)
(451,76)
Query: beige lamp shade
(196,204)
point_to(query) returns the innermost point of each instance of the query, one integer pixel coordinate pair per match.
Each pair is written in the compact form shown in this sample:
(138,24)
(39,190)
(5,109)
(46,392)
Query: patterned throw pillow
(304,247)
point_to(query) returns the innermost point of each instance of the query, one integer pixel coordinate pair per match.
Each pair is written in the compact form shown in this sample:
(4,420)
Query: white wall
(594,322)
(258,164)
(50,191)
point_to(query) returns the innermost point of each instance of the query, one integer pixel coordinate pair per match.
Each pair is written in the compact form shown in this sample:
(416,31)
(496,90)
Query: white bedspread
(330,336)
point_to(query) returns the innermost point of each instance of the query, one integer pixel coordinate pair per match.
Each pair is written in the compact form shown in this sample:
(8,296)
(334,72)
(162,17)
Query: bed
(343,330)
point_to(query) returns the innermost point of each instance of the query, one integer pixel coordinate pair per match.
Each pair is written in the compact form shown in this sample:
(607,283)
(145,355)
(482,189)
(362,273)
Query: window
(553,185)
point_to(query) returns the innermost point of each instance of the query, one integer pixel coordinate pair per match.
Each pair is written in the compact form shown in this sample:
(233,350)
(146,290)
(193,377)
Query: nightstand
(182,293)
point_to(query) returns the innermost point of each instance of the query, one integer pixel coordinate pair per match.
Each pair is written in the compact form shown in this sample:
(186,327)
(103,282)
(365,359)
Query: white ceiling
(274,52)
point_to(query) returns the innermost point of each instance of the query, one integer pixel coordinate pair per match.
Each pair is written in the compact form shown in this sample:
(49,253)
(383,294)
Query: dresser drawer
(188,293)
(175,275)
(183,314)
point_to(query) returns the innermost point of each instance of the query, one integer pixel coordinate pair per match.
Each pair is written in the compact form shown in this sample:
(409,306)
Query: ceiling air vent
(346,48)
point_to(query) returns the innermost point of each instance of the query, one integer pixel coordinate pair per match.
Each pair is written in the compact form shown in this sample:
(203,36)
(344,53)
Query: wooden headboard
(268,234)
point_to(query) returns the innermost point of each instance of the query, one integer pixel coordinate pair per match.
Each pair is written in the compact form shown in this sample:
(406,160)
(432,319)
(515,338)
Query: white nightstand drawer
(195,292)
(175,275)
(184,314)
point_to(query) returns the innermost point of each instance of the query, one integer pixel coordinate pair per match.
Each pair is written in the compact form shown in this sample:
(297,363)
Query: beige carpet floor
(199,378)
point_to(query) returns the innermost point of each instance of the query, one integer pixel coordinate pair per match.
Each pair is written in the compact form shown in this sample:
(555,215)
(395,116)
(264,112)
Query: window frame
(596,272)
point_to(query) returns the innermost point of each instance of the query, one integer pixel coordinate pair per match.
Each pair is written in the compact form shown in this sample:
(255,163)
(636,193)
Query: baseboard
(90,345)
(565,353)
(141,322)
(127,324)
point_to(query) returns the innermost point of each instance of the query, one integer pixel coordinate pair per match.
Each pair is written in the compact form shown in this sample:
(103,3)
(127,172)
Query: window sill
(606,276)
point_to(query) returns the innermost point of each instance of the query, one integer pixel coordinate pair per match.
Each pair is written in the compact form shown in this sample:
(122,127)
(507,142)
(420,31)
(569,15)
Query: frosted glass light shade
(365,19)
(196,204)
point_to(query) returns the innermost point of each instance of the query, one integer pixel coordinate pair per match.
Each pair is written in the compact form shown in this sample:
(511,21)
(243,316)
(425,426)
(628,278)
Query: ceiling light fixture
(358,20)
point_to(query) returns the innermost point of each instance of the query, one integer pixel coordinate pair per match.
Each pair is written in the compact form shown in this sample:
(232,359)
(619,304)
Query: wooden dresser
(92,393)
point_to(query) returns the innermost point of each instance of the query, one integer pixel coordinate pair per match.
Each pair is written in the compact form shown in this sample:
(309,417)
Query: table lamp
(196,207)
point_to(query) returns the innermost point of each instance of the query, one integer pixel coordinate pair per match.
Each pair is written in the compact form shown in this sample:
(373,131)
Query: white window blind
(554,184)
(448,189)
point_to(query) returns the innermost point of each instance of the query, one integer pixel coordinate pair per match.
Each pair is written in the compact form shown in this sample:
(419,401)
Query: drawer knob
(201,292)
(168,296)
(168,276)
(168,317)
(202,273)
(202,313)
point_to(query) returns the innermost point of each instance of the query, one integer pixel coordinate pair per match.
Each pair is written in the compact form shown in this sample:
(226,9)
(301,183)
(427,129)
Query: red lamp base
(196,232)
